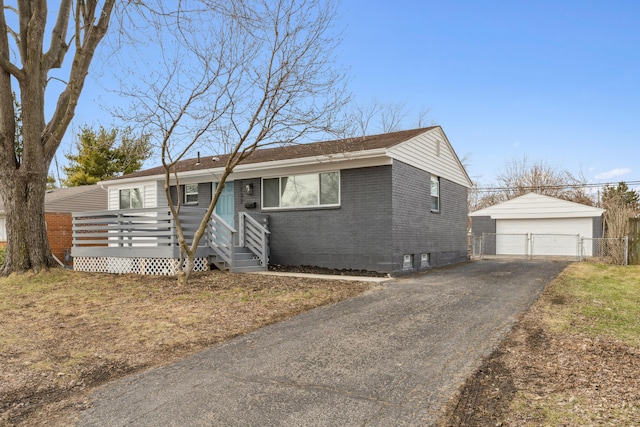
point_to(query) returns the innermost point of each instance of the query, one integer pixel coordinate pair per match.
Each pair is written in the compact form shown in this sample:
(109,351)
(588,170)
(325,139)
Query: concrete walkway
(392,356)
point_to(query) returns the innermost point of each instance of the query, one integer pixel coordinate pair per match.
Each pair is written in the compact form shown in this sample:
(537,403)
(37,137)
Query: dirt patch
(322,270)
(484,397)
(541,377)
(63,333)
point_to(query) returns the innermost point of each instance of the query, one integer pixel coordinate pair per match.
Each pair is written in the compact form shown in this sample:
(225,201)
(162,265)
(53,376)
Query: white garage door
(548,236)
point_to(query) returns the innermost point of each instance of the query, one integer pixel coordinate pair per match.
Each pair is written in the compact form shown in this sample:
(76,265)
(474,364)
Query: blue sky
(556,81)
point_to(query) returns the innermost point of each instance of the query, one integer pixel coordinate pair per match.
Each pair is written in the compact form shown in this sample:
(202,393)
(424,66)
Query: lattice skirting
(144,266)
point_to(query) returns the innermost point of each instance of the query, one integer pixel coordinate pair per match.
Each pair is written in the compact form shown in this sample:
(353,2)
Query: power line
(558,187)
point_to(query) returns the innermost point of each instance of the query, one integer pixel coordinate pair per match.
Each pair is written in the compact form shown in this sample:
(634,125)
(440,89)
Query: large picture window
(435,194)
(131,198)
(298,191)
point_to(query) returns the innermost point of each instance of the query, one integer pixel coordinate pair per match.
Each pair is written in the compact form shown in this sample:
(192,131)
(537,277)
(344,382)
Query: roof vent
(198,162)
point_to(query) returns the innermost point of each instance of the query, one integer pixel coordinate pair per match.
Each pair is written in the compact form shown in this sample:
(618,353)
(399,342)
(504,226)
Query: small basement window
(425,260)
(407,262)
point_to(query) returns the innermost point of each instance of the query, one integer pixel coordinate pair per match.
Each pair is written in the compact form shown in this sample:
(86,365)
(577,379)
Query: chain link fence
(606,250)
(529,246)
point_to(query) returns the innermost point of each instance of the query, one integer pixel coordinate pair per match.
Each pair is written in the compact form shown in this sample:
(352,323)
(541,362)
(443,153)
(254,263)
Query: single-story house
(534,224)
(59,203)
(392,203)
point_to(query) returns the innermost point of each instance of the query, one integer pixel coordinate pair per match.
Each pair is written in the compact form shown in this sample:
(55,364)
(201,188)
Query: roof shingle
(296,151)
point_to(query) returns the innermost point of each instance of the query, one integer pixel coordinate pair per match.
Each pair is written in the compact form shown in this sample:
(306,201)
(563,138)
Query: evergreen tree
(51,182)
(622,194)
(105,154)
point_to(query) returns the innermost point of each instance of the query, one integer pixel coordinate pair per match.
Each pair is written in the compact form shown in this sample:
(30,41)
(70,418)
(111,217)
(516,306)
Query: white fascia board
(123,184)
(421,152)
(539,215)
(349,160)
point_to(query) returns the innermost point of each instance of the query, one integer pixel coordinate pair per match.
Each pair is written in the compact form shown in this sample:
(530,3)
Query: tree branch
(58,49)
(68,99)
(5,55)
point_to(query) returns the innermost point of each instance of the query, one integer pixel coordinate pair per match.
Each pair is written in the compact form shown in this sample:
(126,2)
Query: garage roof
(533,205)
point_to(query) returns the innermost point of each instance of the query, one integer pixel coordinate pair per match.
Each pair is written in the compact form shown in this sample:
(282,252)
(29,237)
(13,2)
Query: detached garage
(534,224)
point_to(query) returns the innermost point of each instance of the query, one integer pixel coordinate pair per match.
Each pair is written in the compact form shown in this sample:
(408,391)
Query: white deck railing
(149,232)
(254,236)
(220,238)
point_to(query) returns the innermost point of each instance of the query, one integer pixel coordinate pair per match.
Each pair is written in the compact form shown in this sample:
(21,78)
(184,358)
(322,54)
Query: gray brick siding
(384,214)
(484,224)
(204,194)
(417,230)
(356,235)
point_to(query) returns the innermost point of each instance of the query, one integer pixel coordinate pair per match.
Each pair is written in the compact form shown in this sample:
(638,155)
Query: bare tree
(391,116)
(26,67)
(377,116)
(237,76)
(620,204)
(362,115)
(521,177)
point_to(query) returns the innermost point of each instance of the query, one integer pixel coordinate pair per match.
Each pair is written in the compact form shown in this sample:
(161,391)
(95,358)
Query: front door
(224,207)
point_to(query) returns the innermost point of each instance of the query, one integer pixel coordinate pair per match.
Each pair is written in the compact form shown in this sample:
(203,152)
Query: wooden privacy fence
(634,241)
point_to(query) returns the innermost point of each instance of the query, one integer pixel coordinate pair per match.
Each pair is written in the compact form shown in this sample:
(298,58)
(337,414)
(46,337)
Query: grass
(598,300)
(64,332)
(587,372)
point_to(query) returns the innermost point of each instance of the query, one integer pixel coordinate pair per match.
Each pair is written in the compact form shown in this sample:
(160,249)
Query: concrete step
(244,256)
(246,263)
(248,269)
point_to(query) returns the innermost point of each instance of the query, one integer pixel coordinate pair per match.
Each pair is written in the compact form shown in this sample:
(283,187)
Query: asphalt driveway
(392,356)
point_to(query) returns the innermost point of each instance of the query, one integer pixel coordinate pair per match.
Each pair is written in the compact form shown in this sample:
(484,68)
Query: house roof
(289,152)
(533,205)
(73,199)
(76,199)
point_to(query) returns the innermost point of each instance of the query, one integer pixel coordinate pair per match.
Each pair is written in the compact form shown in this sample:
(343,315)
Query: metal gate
(557,246)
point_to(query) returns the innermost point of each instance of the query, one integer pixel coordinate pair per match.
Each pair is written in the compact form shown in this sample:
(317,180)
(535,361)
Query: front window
(131,198)
(297,191)
(191,194)
(435,194)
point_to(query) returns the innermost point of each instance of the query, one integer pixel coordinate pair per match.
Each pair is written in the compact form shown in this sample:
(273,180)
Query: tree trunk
(185,272)
(27,243)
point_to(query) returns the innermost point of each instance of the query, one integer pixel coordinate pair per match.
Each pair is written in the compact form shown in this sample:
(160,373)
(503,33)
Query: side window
(131,198)
(191,194)
(435,194)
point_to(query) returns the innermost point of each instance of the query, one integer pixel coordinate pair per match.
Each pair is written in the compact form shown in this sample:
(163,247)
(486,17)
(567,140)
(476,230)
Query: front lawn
(572,360)
(64,332)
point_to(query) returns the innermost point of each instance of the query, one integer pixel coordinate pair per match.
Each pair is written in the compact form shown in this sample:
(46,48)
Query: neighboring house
(534,224)
(59,204)
(391,203)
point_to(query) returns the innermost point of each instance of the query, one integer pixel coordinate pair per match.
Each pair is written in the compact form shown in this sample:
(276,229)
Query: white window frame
(435,180)
(130,190)
(407,262)
(317,205)
(190,193)
(425,260)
